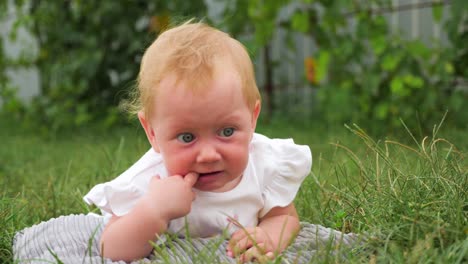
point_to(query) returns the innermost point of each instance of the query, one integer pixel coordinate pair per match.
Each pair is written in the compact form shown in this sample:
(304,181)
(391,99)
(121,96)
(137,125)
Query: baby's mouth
(208,173)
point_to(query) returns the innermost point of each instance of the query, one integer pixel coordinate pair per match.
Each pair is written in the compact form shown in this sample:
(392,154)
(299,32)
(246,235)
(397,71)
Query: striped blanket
(74,239)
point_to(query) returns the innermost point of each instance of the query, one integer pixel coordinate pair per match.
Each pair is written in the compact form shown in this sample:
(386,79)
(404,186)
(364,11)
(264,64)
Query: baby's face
(207,133)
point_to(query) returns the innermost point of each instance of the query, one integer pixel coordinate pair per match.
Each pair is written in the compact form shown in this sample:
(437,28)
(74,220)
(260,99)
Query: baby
(207,170)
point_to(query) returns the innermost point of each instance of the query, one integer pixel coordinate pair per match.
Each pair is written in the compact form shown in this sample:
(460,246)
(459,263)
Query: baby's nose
(208,153)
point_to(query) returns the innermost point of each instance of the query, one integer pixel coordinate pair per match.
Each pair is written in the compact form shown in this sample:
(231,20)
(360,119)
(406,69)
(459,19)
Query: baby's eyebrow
(234,116)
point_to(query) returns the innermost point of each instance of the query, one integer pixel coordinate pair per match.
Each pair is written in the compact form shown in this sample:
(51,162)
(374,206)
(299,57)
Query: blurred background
(70,63)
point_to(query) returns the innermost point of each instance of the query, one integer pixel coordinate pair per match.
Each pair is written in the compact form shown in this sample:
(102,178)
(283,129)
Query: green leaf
(322,65)
(397,86)
(379,44)
(340,215)
(253,9)
(419,49)
(459,6)
(346,85)
(413,81)
(300,22)
(418,82)
(390,62)
(437,11)
(449,68)
(381,111)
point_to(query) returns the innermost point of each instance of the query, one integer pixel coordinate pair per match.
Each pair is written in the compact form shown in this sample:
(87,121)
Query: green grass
(409,195)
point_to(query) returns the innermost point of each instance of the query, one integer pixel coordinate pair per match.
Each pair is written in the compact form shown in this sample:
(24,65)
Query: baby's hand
(171,197)
(251,243)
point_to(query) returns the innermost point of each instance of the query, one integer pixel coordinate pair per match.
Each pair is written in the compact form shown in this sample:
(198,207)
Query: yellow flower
(310,67)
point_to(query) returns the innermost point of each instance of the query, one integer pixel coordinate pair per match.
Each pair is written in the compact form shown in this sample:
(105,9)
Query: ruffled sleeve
(120,195)
(281,167)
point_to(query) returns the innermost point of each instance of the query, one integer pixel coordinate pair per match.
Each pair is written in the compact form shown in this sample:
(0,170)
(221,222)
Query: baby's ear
(256,113)
(148,130)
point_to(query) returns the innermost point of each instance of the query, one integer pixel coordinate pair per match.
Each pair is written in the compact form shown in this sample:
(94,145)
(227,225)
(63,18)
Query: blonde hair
(189,51)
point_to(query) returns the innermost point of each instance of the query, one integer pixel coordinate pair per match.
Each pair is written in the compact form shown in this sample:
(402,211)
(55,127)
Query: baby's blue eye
(227,132)
(185,137)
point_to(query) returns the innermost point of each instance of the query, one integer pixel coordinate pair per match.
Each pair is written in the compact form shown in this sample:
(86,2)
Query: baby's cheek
(177,165)
(240,158)
(173,169)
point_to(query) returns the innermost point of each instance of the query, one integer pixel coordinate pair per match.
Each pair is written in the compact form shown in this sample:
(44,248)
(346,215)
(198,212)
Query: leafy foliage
(255,22)
(363,71)
(89,52)
(373,74)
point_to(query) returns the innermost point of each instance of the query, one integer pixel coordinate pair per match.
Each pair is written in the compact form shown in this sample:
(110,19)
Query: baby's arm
(273,234)
(127,237)
(282,225)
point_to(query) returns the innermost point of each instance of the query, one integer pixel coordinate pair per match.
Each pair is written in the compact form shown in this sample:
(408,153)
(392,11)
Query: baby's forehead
(225,78)
(178,96)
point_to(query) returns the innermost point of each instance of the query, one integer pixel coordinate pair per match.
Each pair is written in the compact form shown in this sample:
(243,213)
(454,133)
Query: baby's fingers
(238,236)
(257,253)
(242,233)
(191,178)
(241,246)
(243,240)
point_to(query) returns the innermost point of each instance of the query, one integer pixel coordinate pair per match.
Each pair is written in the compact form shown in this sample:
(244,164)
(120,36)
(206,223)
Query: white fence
(27,79)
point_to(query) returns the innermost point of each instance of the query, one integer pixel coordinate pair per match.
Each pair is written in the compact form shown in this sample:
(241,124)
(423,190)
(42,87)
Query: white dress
(274,173)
